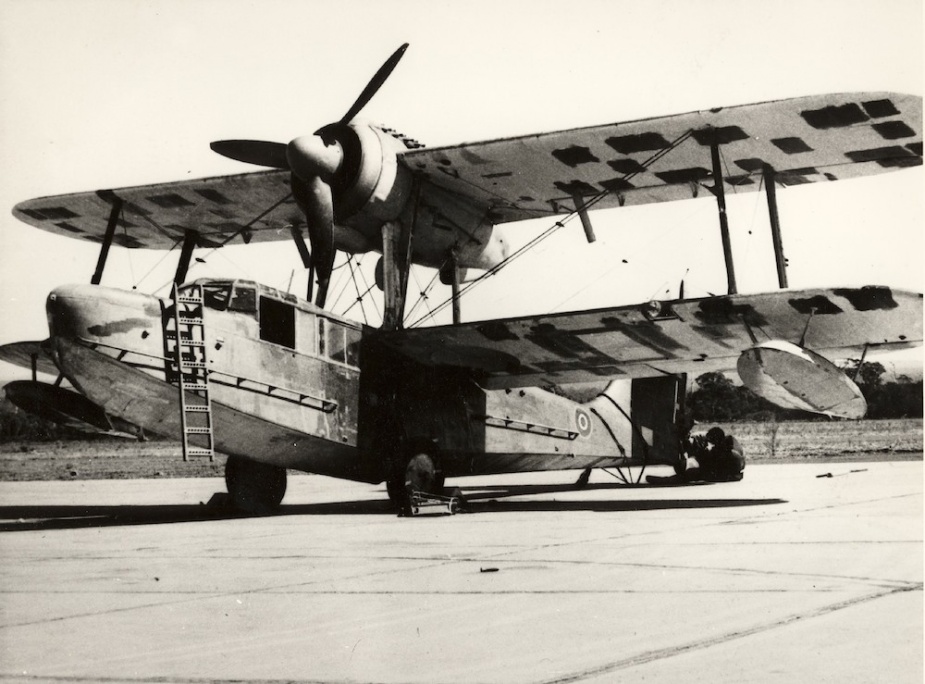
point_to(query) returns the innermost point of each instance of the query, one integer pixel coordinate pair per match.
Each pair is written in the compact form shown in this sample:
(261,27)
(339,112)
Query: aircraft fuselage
(295,386)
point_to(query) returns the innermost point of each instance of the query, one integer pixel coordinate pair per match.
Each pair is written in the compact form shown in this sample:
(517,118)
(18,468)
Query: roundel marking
(583,421)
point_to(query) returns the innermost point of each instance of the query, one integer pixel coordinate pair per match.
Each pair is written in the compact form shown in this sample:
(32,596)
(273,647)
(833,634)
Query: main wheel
(254,487)
(420,474)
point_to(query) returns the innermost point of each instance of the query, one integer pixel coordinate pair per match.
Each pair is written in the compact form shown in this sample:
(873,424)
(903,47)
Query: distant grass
(798,441)
(789,442)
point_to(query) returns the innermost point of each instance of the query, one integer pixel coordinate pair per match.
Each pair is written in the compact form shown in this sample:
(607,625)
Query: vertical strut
(306,259)
(720,193)
(454,283)
(391,278)
(107,240)
(770,187)
(397,239)
(186,254)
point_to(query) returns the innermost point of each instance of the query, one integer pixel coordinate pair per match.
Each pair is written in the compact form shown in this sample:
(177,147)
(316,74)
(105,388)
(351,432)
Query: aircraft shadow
(493,499)
(496,499)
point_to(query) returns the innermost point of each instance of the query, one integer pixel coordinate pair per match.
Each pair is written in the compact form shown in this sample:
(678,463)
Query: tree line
(716,398)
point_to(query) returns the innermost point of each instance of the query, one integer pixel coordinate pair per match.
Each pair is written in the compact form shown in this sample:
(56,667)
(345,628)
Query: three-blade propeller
(314,161)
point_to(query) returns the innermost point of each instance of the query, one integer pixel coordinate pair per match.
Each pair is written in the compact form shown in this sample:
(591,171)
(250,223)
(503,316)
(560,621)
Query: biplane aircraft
(278,382)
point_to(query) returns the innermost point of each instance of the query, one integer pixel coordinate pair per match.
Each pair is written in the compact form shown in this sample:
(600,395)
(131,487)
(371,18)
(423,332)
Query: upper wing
(687,336)
(258,206)
(805,139)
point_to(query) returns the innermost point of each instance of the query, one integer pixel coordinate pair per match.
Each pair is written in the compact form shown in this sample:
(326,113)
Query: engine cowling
(372,187)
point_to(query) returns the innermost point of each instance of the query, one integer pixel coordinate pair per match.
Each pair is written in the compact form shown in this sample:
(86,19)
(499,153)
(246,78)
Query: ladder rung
(198,452)
(196,409)
(195,387)
(192,364)
(191,321)
(198,431)
(191,343)
(189,300)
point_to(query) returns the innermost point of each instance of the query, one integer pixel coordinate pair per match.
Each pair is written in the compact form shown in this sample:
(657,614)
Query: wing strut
(107,238)
(306,258)
(186,254)
(454,265)
(397,239)
(720,193)
(770,187)
(585,219)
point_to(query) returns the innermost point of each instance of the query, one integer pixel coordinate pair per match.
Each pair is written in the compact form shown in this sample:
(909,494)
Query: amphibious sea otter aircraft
(276,381)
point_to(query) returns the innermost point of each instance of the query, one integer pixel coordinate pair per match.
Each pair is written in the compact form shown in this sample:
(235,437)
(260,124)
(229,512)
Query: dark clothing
(723,462)
(720,459)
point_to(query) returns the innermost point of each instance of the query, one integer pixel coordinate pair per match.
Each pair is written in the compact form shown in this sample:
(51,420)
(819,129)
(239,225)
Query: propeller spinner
(314,161)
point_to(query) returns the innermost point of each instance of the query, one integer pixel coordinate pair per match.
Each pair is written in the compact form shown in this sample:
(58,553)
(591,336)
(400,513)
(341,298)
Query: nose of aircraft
(101,314)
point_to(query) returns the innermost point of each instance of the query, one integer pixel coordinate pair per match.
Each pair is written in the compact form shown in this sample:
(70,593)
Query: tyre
(254,487)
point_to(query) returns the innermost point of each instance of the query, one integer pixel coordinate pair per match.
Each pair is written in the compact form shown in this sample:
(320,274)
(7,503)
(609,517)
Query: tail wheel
(254,487)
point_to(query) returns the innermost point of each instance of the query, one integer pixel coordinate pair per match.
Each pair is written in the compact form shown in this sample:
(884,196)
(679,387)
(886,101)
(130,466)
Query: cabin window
(339,342)
(244,299)
(305,322)
(277,322)
(216,295)
(334,342)
(353,346)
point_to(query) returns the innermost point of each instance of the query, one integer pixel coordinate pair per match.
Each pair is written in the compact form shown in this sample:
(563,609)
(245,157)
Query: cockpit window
(277,322)
(216,295)
(244,298)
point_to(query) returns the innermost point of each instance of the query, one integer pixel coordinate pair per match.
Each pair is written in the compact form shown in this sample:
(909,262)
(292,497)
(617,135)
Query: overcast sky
(103,94)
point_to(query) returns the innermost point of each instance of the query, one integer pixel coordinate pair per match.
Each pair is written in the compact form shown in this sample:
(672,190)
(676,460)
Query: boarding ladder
(189,349)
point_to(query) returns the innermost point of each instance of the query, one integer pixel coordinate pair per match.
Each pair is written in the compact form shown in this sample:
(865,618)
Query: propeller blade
(314,197)
(374,84)
(257,152)
(311,156)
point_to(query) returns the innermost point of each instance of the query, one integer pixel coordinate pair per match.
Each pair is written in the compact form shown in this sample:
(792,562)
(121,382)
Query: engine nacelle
(373,187)
(791,376)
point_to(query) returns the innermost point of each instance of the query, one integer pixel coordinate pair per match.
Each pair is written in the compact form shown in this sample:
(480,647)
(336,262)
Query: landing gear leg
(582,480)
(254,487)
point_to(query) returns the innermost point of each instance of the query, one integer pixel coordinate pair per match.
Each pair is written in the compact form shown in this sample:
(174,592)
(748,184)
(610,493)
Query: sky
(109,93)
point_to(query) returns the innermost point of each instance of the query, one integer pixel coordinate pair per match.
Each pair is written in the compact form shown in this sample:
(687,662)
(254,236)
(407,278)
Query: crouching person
(719,457)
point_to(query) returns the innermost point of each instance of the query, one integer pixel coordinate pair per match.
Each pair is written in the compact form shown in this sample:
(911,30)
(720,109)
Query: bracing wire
(158,263)
(356,286)
(423,298)
(367,286)
(424,294)
(552,229)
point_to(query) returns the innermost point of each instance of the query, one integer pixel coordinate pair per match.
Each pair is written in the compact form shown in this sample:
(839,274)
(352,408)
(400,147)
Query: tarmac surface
(783,577)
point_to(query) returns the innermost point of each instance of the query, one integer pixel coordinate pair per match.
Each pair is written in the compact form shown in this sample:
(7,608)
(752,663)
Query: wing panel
(24,354)
(157,216)
(692,336)
(805,140)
